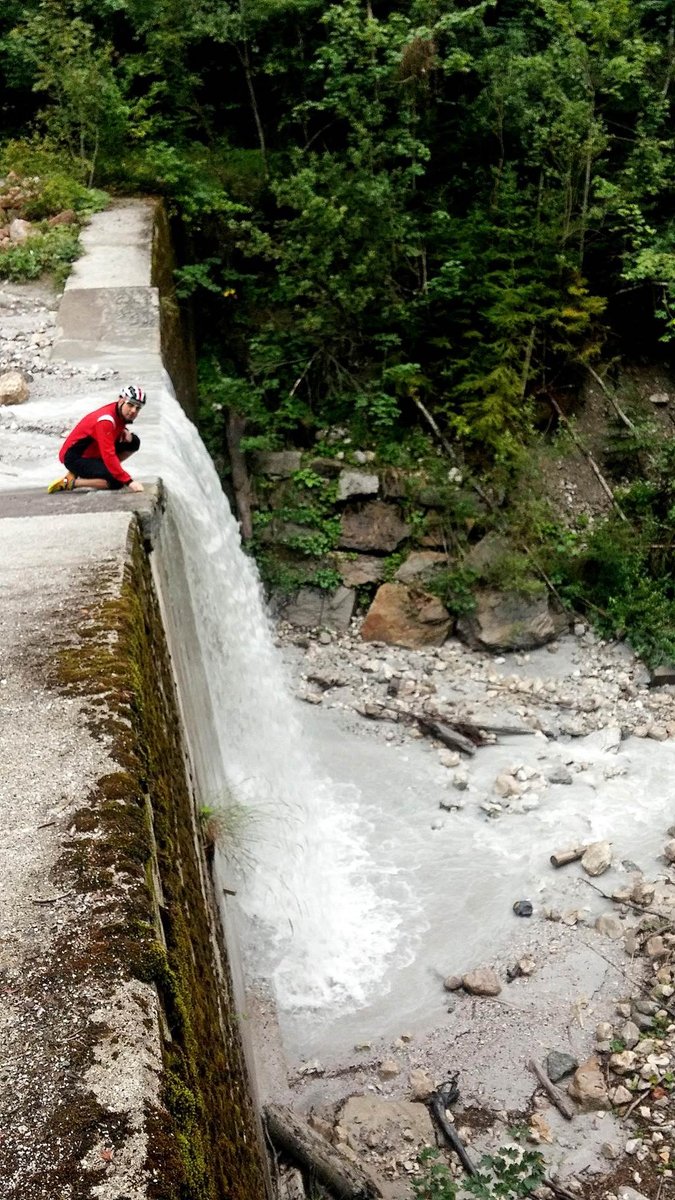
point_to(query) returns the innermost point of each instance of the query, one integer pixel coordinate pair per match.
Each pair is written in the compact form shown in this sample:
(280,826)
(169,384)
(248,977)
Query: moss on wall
(135,843)
(175,320)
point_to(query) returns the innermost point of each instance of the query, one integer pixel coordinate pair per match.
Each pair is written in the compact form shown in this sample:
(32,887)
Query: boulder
(388,1069)
(67,217)
(20,231)
(483,981)
(435,534)
(329,468)
(588,1086)
(285,533)
(279,463)
(510,621)
(487,553)
(420,566)
(402,616)
(313,608)
(559,1064)
(356,483)
(377,526)
(13,388)
(610,926)
(597,858)
(421,1084)
(364,569)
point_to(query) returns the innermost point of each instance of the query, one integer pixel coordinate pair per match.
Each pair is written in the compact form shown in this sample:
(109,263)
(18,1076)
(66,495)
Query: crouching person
(95,449)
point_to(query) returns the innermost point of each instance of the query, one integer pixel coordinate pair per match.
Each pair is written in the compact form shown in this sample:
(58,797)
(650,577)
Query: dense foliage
(393,215)
(440,202)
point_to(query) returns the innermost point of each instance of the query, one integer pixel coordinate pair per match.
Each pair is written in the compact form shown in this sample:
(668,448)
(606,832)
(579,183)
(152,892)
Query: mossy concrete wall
(122,1066)
(120,1050)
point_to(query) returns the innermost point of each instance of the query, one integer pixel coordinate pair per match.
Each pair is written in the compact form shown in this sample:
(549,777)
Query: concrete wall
(120,1048)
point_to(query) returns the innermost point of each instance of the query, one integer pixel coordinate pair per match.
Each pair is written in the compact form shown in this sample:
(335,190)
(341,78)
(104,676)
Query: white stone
(13,388)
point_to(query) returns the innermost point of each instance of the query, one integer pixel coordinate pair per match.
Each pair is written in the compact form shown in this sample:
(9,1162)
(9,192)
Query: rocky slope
(580,709)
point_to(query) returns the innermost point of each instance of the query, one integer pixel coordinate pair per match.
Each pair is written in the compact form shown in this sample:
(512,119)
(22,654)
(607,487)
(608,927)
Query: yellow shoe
(64,484)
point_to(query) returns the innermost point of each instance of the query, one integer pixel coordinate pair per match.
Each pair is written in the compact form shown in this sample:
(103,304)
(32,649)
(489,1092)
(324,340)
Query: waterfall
(307,886)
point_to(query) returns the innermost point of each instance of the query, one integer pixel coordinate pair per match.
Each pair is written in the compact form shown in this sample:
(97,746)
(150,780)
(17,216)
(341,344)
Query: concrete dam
(124,1071)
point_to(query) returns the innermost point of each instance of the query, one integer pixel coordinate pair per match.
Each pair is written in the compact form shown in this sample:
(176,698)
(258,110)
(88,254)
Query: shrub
(50,252)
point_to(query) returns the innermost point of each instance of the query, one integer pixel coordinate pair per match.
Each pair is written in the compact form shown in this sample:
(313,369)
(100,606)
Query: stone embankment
(390,530)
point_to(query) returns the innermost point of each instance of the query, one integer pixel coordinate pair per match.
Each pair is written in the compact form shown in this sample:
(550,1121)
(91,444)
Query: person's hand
(127,435)
(135,486)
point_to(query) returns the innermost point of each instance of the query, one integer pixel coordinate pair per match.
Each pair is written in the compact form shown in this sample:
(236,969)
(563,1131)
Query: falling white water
(310,890)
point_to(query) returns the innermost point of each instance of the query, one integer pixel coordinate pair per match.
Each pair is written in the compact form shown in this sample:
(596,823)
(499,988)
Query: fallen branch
(641,908)
(612,399)
(49,899)
(446,734)
(559,1190)
(555,1095)
(587,454)
(331,1168)
(439,1100)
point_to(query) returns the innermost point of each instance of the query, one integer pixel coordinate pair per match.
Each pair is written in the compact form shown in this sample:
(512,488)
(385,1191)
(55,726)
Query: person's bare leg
(100,484)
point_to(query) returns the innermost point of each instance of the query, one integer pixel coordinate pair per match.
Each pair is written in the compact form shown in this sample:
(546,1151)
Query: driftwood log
(453,736)
(562,857)
(439,1100)
(330,1167)
(561,1102)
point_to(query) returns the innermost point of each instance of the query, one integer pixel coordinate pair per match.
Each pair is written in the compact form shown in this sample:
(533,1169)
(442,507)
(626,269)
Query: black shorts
(95,468)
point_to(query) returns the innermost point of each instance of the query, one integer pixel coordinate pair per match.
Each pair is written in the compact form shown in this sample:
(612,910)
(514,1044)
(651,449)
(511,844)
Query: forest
(428,222)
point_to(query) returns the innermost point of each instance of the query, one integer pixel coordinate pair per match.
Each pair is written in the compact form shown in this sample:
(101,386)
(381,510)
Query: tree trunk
(234,431)
(246,64)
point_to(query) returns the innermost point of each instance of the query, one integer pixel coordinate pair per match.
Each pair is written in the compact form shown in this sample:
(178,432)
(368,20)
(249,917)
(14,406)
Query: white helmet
(134,394)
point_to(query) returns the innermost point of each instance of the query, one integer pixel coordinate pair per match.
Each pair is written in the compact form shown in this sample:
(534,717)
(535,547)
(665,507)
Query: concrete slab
(108,323)
(117,248)
(30,502)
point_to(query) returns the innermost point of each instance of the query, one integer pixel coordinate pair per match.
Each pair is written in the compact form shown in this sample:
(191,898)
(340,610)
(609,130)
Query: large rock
(13,388)
(482,981)
(364,569)
(588,1087)
(597,858)
(662,676)
(377,526)
(402,616)
(279,463)
(356,483)
(510,621)
(489,551)
(20,231)
(67,217)
(420,566)
(313,608)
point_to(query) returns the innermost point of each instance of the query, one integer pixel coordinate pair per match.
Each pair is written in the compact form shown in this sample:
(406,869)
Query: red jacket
(95,436)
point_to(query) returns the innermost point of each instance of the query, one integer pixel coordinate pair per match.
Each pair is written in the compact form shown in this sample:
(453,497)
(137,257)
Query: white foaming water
(320,930)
